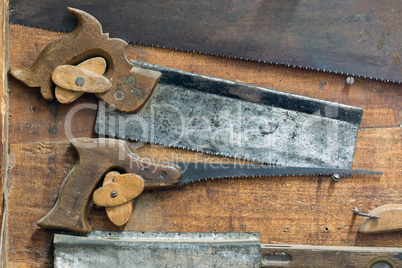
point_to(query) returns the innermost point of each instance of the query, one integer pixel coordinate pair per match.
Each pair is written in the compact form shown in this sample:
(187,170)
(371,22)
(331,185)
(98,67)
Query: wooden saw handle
(96,157)
(390,220)
(88,41)
(119,214)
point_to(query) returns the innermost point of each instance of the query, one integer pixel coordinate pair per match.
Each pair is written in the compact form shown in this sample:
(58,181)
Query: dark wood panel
(359,37)
(32,118)
(323,256)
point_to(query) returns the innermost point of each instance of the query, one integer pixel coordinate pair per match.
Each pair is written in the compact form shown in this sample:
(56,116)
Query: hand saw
(97,157)
(361,38)
(185,110)
(224,250)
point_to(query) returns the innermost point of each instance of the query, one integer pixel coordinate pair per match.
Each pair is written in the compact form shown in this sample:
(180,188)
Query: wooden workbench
(293,210)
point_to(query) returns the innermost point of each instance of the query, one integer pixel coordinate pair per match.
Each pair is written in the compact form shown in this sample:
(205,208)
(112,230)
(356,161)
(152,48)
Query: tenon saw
(97,158)
(224,250)
(361,37)
(161,105)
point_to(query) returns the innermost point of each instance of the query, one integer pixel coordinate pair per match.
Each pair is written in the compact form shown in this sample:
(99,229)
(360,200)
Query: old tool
(86,42)
(359,37)
(97,157)
(386,218)
(73,81)
(357,212)
(192,111)
(234,250)
(119,214)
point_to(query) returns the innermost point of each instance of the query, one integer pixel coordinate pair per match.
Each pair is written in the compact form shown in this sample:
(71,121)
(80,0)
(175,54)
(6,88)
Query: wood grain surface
(120,214)
(291,210)
(389,220)
(324,256)
(3,125)
(85,42)
(97,64)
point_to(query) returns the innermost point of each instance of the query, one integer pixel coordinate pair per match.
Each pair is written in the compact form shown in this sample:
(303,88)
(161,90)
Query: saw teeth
(232,57)
(269,175)
(35,27)
(193,150)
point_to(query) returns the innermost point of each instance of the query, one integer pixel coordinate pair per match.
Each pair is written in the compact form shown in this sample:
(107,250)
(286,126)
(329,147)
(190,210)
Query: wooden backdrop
(301,210)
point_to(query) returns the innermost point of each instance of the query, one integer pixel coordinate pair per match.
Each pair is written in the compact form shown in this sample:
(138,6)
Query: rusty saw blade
(161,105)
(97,157)
(361,37)
(217,116)
(224,250)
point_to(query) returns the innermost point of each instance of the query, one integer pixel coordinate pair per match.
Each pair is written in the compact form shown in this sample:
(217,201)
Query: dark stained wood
(305,256)
(360,37)
(390,220)
(299,210)
(85,42)
(96,157)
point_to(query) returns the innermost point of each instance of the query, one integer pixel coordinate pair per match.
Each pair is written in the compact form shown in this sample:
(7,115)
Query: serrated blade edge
(192,172)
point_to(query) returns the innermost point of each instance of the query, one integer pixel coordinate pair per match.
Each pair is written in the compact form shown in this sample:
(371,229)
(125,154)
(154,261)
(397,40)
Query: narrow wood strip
(300,256)
(3,128)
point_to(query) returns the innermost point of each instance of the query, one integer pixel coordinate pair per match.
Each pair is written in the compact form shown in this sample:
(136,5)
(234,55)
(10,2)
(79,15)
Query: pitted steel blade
(156,249)
(237,120)
(192,172)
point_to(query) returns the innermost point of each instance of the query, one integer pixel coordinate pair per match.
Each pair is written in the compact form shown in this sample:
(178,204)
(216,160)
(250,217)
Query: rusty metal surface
(144,249)
(238,120)
(361,37)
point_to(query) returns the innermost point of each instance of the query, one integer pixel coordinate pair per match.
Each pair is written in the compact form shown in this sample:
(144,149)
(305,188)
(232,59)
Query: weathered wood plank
(3,124)
(301,210)
(380,100)
(302,256)
(32,118)
(284,210)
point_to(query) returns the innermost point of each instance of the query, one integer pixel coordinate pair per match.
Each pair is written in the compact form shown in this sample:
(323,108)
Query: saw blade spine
(232,57)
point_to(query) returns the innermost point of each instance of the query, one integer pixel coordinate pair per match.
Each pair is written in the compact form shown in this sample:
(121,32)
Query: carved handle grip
(96,157)
(88,41)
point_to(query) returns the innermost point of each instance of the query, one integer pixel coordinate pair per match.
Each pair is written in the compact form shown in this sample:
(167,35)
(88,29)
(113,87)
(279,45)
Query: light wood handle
(122,189)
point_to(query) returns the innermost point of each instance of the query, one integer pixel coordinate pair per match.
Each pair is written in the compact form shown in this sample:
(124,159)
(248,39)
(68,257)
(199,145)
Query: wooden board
(302,210)
(3,123)
(299,256)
